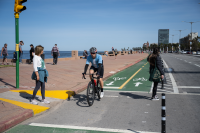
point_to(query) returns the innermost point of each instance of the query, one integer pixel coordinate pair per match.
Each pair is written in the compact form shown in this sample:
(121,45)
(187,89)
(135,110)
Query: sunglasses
(92,53)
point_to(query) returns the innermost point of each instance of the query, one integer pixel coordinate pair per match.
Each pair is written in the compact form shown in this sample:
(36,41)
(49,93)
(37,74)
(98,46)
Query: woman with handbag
(156,72)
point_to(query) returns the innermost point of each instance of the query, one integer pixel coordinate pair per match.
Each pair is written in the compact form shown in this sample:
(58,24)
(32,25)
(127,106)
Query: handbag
(155,74)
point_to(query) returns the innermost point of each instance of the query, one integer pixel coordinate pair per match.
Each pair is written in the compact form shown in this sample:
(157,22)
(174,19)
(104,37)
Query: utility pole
(179,39)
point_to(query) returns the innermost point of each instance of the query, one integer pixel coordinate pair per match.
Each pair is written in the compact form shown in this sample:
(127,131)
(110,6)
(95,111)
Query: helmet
(93,50)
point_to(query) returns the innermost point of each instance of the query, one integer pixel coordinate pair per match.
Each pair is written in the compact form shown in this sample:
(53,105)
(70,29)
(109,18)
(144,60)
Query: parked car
(188,52)
(183,52)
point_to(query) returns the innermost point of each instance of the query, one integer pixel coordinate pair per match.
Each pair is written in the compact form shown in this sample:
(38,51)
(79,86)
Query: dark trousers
(37,87)
(155,85)
(31,58)
(55,57)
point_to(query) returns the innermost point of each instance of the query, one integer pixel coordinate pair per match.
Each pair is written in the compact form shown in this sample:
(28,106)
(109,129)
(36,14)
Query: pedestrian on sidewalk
(4,51)
(106,53)
(55,53)
(85,54)
(113,49)
(115,53)
(40,74)
(151,59)
(21,43)
(31,53)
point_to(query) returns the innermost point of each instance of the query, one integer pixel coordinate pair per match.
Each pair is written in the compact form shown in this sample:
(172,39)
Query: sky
(82,24)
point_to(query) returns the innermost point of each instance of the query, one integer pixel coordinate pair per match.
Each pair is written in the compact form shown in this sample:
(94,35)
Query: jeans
(37,87)
(20,56)
(55,57)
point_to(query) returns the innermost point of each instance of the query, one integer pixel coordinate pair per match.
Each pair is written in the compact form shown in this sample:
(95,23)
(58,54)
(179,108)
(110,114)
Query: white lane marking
(137,84)
(111,83)
(127,91)
(189,62)
(196,65)
(110,87)
(110,96)
(87,128)
(189,87)
(175,88)
(151,87)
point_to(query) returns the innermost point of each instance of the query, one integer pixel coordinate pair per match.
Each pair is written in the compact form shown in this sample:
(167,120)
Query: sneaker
(45,101)
(102,94)
(155,98)
(34,102)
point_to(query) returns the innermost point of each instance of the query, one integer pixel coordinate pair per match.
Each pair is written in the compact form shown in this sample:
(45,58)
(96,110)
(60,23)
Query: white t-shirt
(38,62)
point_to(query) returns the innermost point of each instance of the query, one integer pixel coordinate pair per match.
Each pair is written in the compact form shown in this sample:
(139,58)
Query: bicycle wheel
(90,93)
(98,90)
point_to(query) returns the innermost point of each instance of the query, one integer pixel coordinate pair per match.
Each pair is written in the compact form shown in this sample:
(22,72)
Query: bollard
(163,114)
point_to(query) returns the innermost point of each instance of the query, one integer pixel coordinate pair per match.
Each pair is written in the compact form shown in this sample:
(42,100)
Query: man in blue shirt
(97,66)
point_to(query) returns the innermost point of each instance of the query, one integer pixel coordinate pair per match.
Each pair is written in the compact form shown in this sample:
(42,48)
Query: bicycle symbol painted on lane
(140,79)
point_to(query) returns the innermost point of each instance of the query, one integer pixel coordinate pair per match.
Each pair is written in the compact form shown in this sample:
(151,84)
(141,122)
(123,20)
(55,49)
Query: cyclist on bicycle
(97,66)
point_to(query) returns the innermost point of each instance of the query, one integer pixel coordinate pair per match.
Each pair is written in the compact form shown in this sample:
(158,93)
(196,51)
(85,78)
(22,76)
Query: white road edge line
(175,88)
(189,87)
(87,128)
(151,87)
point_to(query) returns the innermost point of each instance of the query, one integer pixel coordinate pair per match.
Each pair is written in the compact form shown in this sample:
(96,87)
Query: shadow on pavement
(81,100)
(27,96)
(1,80)
(134,96)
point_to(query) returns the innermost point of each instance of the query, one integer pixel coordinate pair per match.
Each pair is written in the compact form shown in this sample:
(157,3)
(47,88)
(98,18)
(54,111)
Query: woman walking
(152,58)
(40,74)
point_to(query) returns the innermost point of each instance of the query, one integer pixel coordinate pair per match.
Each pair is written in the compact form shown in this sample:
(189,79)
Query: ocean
(63,54)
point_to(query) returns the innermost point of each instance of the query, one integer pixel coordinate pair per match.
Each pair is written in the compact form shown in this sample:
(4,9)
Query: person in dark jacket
(151,59)
(31,53)
(85,54)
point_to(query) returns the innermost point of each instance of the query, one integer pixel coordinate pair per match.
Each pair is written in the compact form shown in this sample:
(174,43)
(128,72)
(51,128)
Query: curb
(5,125)
(79,90)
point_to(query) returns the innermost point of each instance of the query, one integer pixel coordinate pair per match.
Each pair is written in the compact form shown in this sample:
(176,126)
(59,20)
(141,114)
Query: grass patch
(1,66)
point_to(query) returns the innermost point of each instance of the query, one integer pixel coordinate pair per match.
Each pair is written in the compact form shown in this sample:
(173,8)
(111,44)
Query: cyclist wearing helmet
(97,66)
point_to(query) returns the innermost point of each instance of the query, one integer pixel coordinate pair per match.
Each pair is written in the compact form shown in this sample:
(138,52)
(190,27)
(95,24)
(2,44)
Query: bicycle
(91,89)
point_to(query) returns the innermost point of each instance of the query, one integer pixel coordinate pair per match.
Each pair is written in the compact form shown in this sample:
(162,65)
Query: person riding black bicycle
(97,66)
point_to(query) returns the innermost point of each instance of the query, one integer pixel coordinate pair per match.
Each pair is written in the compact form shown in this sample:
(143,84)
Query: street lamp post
(179,39)
(191,31)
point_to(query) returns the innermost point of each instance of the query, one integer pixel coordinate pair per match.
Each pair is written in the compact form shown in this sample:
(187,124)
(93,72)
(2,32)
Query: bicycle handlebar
(92,76)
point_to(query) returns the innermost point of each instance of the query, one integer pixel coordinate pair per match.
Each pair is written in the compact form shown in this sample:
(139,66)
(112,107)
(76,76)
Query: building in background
(163,36)
(185,41)
(193,35)
(146,45)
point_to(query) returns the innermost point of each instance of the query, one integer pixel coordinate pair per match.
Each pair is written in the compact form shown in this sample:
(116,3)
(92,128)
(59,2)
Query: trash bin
(42,56)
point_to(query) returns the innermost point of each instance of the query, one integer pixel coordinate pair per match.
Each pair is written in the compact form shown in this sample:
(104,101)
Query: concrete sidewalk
(65,79)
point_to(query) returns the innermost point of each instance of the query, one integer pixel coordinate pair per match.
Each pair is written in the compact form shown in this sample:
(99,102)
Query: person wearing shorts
(4,51)
(97,66)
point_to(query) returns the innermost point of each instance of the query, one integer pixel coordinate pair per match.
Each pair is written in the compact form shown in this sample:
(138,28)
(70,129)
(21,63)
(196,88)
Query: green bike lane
(134,78)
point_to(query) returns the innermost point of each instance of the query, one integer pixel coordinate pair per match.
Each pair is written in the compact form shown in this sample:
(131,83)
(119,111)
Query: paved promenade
(65,76)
